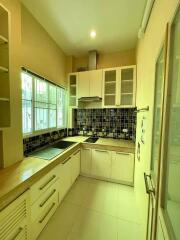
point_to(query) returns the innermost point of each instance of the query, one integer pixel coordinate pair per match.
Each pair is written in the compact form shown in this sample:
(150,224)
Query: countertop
(106,143)
(17,178)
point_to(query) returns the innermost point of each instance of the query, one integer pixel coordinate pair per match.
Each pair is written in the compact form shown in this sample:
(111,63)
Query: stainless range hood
(90,99)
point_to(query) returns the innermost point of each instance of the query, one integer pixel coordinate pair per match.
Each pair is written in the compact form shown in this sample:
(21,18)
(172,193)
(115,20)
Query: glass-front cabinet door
(72,81)
(120,87)
(171,154)
(110,82)
(127,86)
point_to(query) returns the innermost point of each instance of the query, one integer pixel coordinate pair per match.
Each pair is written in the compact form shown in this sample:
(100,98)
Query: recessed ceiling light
(93,34)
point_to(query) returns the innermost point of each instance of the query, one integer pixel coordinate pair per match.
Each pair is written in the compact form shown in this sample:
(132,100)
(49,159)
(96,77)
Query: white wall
(147,52)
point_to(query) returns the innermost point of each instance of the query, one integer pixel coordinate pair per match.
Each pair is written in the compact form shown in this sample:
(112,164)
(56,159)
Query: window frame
(49,129)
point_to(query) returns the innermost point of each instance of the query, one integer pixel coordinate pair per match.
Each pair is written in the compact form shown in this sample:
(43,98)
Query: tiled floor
(95,210)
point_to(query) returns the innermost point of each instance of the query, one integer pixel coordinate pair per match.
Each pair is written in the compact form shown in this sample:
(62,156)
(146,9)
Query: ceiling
(69,23)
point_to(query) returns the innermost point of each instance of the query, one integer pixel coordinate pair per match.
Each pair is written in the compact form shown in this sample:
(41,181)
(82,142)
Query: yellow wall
(39,52)
(11,138)
(31,47)
(147,52)
(107,60)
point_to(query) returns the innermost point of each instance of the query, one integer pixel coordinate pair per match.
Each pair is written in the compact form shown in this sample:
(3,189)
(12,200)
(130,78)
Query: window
(43,104)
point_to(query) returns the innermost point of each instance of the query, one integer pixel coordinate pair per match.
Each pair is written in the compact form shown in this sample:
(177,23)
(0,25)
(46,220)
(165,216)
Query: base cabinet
(75,165)
(14,219)
(109,165)
(122,167)
(65,178)
(86,161)
(101,163)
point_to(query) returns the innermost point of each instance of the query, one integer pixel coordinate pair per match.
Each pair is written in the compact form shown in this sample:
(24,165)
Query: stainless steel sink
(91,139)
(52,151)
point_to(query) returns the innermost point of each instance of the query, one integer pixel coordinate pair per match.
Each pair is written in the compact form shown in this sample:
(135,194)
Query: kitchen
(89,116)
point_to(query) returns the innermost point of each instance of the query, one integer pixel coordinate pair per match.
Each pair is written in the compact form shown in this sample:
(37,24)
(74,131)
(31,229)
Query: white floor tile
(61,223)
(127,206)
(95,210)
(78,192)
(92,225)
(102,197)
(129,230)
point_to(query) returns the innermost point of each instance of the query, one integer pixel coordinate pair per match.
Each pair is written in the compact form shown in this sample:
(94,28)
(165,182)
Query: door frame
(167,228)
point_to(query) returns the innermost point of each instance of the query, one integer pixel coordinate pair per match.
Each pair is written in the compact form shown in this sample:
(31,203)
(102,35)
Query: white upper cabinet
(90,84)
(83,84)
(96,80)
(119,85)
(116,86)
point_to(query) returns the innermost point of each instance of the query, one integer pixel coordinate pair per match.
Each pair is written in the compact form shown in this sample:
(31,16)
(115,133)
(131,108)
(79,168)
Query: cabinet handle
(51,194)
(50,180)
(123,153)
(76,152)
(66,160)
(42,219)
(18,233)
(87,149)
(98,150)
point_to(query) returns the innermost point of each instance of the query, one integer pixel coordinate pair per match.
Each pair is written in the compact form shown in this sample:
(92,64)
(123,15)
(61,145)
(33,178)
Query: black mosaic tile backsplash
(32,143)
(105,122)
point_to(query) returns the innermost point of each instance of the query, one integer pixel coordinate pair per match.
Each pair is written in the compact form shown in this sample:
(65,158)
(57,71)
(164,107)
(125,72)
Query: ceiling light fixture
(93,34)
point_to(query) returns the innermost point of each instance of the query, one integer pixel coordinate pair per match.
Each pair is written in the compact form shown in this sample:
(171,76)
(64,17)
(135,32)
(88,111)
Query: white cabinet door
(101,163)
(14,219)
(83,84)
(86,161)
(122,167)
(65,177)
(75,166)
(96,78)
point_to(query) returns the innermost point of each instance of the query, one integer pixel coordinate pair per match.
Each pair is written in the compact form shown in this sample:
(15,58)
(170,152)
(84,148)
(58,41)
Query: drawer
(39,206)
(43,218)
(20,233)
(43,184)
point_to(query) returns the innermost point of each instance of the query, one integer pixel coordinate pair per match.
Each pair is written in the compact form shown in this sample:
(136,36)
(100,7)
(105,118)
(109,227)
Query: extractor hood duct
(92,60)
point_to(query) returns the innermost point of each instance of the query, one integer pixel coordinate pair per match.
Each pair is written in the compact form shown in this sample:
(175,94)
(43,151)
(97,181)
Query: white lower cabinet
(75,165)
(86,161)
(122,167)
(14,219)
(101,163)
(115,166)
(65,177)
(43,208)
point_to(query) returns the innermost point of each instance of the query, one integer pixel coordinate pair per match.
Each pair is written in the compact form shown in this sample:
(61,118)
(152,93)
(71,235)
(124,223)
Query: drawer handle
(50,180)
(65,161)
(42,219)
(123,153)
(18,233)
(51,194)
(98,150)
(76,152)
